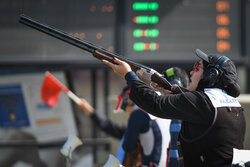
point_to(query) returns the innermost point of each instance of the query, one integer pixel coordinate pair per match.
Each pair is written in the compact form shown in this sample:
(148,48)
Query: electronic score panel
(160,30)
(93,21)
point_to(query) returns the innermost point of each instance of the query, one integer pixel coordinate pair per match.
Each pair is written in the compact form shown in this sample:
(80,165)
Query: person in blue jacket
(143,132)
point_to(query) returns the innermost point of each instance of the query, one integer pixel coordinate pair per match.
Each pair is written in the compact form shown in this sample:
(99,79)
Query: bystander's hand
(86,107)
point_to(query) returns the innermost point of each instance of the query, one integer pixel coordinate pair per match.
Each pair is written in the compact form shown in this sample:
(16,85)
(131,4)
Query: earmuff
(213,71)
(170,76)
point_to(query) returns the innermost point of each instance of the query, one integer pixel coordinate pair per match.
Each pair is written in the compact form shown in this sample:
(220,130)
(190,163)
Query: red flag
(119,103)
(50,89)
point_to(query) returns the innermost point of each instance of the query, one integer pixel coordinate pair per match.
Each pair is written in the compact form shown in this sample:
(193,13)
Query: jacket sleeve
(108,126)
(192,107)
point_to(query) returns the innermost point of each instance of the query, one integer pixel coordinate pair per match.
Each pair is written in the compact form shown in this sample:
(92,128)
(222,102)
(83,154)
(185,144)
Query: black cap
(216,60)
(202,55)
(125,91)
(228,69)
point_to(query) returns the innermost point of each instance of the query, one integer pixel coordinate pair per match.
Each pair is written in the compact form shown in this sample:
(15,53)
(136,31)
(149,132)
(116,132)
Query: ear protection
(172,78)
(213,72)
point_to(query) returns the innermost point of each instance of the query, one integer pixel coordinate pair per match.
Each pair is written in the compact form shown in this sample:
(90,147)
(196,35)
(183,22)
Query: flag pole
(73,97)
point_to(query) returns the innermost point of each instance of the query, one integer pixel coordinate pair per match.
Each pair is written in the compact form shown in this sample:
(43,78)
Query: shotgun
(143,72)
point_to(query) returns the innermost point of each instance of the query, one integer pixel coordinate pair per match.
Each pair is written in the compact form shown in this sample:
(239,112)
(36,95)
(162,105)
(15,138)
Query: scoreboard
(148,30)
(171,30)
(89,20)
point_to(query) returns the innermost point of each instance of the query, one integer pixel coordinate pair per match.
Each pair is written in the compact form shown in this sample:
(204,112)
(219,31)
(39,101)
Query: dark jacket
(208,136)
(105,124)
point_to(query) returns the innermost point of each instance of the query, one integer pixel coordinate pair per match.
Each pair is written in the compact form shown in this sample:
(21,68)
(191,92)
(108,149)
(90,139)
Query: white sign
(21,107)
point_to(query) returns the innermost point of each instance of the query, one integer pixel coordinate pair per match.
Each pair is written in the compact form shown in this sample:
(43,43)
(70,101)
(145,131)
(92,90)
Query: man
(213,122)
(142,130)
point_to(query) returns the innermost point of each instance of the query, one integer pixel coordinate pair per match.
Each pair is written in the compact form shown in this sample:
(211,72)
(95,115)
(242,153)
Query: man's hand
(167,92)
(121,68)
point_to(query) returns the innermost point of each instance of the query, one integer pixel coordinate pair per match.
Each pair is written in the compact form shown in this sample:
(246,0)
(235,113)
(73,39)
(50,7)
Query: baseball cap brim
(202,55)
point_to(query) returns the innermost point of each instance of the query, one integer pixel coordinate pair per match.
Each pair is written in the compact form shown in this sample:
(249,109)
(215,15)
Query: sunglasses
(197,66)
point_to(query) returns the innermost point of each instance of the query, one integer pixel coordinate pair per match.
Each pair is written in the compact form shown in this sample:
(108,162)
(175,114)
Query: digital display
(145,31)
(92,21)
(171,30)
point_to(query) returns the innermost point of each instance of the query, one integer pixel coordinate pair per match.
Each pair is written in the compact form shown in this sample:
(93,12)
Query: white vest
(220,98)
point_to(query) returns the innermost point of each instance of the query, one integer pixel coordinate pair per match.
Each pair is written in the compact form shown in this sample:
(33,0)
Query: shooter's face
(196,75)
